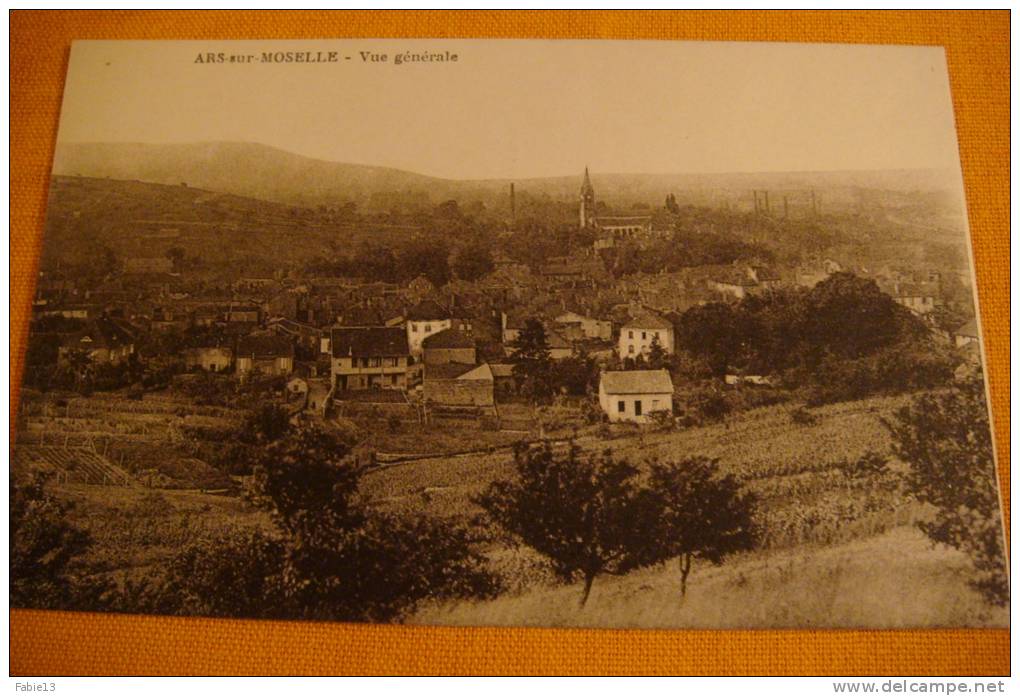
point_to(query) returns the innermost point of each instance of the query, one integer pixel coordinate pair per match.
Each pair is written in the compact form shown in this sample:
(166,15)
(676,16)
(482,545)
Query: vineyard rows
(72,465)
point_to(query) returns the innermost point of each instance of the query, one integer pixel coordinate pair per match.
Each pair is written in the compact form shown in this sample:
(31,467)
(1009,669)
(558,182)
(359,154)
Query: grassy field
(894,580)
(762,447)
(134,528)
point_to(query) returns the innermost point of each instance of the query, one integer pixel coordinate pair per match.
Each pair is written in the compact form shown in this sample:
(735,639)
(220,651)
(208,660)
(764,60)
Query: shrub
(802,416)
(43,549)
(331,557)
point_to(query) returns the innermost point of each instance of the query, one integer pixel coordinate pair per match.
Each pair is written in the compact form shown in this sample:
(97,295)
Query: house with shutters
(576,326)
(631,395)
(638,334)
(270,355)
(369,357)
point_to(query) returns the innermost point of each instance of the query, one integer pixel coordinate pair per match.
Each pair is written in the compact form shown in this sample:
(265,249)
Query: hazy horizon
(512,109)
(576,174)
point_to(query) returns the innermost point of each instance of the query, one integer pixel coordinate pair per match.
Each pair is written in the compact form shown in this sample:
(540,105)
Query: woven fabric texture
(52,643)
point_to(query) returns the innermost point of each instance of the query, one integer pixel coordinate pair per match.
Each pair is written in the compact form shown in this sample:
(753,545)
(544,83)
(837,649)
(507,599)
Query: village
(460,358)
(429,345)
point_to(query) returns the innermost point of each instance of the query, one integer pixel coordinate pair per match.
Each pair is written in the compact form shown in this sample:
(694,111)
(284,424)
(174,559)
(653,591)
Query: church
(610,229)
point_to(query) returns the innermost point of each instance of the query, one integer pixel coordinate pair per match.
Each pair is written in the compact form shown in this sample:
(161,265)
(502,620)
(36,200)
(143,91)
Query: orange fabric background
(977,46)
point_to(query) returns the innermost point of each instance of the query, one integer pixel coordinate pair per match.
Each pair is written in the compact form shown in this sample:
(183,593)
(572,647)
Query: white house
(424,319)
(633,394)
(637,335)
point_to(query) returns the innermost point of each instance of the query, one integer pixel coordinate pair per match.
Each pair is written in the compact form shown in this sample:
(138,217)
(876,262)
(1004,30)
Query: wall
(641,345)
(649,403)
(459,392)
(418,330)
(442,356)
(210,359)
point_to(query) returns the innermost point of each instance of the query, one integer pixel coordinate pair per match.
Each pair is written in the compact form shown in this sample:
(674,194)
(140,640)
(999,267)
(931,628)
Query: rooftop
(427,310)
(361,316)
(448,338)
(969,329)
(265,346)
(648,321)
(637,382)
(447,370)
(370,341)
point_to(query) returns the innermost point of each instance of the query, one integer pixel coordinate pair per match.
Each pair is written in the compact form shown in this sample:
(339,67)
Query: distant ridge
(268,173)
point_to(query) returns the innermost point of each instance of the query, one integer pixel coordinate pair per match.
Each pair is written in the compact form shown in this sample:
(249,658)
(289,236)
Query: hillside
(894,580)
(261,171)
(134,218)
(244,169)
(834,551)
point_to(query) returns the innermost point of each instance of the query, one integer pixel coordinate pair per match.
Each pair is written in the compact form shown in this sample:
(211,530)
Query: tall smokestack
(513,206)
(767,208)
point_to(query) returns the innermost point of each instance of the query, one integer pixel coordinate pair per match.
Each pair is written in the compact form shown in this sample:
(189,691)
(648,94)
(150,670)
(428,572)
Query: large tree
(701,513)
(716,333)
(850,317)
(583,513)
(532,363)
(946,441)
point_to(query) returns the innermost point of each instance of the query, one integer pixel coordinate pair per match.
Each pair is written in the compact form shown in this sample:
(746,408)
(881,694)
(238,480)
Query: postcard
(620,334)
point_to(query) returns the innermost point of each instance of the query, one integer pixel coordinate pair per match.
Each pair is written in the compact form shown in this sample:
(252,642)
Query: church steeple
(587,210)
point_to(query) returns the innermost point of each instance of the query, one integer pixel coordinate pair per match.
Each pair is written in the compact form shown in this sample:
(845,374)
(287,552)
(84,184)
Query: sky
(518,109)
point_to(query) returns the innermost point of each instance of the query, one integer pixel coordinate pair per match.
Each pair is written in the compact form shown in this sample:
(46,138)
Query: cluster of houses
(340,338)
(447,353)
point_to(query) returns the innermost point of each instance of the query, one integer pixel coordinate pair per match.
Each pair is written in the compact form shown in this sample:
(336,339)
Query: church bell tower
(587,215)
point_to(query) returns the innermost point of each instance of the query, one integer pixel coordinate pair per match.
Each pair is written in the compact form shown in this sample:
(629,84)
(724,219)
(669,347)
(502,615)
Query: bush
(43,549)
(705,404)
(745,398)
(331,557)
(802,416)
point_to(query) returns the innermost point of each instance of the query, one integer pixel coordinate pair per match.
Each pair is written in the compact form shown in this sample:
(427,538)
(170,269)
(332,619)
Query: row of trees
(431,257)
(683,249)
(591,515)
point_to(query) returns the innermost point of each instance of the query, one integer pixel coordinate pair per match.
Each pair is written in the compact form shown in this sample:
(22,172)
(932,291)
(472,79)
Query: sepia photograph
(572,333)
